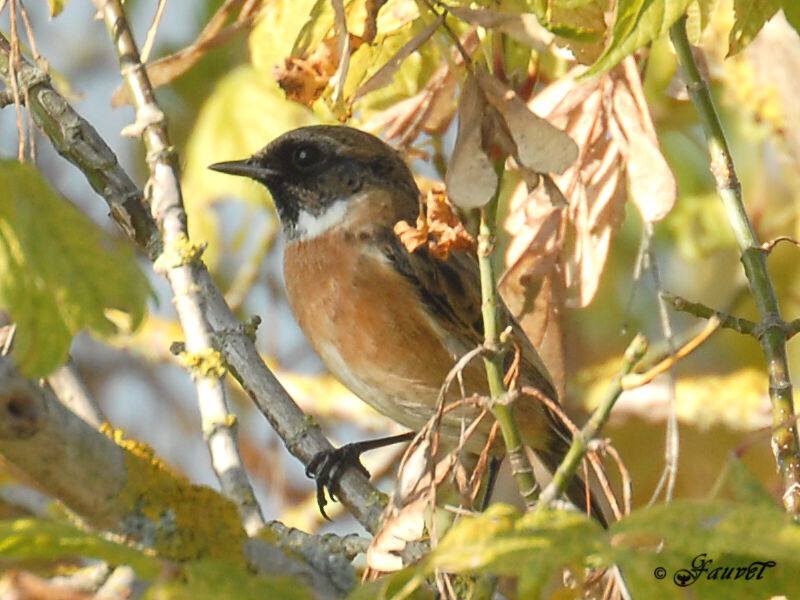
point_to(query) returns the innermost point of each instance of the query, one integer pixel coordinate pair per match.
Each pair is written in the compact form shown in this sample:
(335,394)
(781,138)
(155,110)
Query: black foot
(328,466)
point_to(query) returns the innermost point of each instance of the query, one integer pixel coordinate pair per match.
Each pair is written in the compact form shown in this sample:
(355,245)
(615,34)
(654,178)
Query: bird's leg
(491,479)
(328,466)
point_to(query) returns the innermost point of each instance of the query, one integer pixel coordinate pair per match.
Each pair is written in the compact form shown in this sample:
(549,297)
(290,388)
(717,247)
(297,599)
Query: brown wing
(451,291)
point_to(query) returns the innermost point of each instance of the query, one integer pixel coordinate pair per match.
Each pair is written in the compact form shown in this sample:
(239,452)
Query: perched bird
(388,323)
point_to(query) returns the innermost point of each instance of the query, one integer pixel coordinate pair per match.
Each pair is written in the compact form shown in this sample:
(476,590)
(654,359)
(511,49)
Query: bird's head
(315,173)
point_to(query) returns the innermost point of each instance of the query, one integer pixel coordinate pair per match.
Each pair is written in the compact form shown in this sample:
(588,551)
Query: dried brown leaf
(439,227)
(471,179)
(560,99)
(577,248)
(522,27)
(412,237)
(404,517)
(441,104)
(538,308)
(652,185)
(430,110)
(305,79)
(399,118)
(575,253)
(534,224)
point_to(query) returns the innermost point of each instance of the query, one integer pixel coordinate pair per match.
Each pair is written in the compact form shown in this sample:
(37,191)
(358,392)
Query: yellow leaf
(59,272)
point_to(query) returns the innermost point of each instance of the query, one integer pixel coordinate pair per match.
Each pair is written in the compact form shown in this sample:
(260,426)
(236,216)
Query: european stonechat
(388,323)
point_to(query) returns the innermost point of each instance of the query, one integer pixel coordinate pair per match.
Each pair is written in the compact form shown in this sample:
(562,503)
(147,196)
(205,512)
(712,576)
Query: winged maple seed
(438,226)
(609,120)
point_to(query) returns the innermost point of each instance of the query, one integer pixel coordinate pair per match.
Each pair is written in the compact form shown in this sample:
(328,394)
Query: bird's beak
(246,168)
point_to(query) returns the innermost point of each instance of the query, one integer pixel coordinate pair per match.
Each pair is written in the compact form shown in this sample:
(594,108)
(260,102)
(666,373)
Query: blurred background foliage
(229,104)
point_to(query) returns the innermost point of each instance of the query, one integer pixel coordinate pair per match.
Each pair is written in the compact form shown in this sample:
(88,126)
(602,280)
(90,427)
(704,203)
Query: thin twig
(32,41)
(724,320)
(595,462)
(14,58)
(672,434)
(147,47)
(627,485)
(769,246)
(71,391)
(453,35)
(634,380)
(785,442)
(75,139)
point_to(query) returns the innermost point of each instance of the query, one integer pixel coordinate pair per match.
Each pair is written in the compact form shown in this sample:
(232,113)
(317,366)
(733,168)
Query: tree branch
(119,485)
(123,489)
(772,329)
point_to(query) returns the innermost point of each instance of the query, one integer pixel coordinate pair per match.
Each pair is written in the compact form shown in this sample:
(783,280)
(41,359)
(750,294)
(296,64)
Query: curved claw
(327,468)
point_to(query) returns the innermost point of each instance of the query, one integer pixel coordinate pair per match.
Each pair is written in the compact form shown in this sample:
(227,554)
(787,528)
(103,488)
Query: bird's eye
(306,156)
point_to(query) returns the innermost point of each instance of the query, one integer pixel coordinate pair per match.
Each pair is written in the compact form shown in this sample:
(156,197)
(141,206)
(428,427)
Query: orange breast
(367,324)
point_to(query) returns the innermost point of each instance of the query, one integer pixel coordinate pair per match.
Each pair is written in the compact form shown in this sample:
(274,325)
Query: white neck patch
(309,225)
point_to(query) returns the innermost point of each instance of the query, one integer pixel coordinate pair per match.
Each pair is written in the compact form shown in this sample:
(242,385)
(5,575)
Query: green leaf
(215,579)
(698,17)
(33,539)
(636,23)
(56,6)
(59,272)
(279,28)
(246,111)
(318,25)
(581,28)
(750,16)
(791,10)
(504,542)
